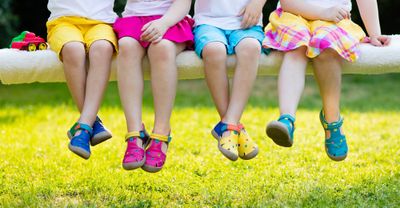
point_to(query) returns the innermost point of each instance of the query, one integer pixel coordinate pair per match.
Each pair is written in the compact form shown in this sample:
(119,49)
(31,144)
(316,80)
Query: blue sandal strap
(81,126)
(287,117)
(330,126)
(221,127)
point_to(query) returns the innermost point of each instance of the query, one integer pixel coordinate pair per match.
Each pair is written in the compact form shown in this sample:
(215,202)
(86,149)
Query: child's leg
(164,75)
(291,80)
(327,70)
(130,81)
(100,56)
(74,60)
(215,57)
(248,53)
(290,87)
(328,73)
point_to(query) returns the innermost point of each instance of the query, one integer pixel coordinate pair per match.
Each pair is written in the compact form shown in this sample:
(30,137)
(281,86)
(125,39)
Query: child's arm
(370,16)
(252,13)
(155,30)
(314,12)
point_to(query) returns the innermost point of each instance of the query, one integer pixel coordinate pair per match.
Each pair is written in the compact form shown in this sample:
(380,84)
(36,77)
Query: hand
(379,40)
(336,13)
(251,14)
(154,31)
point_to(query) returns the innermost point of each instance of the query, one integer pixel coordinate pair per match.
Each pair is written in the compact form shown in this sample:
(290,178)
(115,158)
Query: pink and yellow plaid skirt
(287,31)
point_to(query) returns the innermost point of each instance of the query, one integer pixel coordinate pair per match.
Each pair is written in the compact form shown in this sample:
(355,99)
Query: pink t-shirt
(146,7)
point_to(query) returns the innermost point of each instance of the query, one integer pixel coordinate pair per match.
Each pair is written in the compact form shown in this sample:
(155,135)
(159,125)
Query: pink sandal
(135,156)
(156,153)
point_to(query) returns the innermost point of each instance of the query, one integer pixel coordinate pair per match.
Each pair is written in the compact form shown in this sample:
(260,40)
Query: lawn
(38,170)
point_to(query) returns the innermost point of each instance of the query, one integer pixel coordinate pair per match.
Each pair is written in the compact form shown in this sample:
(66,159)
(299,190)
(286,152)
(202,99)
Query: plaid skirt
(287,31)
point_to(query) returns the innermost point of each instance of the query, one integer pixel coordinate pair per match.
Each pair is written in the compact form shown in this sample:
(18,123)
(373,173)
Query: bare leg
(214,57)
(164,75)
(248,53)
(291,80)
(130,81)
(328,73)
(74,59)
(100,56)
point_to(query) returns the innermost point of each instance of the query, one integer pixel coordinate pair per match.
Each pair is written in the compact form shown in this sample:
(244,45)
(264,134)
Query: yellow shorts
(67,29)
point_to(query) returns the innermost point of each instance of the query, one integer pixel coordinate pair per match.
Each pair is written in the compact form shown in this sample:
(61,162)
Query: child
(78,30)
(159,29)
(321,30)
(224,28)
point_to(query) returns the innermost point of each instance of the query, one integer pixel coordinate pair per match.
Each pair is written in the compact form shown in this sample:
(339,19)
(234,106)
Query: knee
(327,55)
(73,52)
(214,52)
(129,48)
(163,51)
(248,48)
(101,48)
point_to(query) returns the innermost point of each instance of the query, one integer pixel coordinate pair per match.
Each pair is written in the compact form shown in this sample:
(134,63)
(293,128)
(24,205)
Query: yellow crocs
(247,148)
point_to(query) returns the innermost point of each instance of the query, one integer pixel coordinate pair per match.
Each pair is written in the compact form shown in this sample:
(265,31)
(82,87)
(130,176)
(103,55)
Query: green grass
(38,170)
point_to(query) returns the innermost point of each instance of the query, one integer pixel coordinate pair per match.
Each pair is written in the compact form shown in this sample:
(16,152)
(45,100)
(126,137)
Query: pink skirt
(132,26)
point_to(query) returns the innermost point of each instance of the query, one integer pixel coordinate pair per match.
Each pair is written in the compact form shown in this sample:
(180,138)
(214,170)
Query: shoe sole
(279,133)
(96,139)
(228,154)
(151,169)
(250,156)
(100,137)
(336,158)
(79,151)
(133,165)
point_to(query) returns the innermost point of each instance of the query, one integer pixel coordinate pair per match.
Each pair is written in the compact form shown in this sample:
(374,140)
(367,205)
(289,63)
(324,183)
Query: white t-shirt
(223,14)
(330,3)
(146,7)
(101,10)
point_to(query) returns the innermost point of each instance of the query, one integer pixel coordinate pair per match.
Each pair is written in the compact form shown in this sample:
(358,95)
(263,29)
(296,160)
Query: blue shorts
(204,34)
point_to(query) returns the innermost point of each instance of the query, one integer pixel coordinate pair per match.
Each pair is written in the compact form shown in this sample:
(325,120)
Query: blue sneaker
(100,133)
(335,141)
(281,131)
(79,144)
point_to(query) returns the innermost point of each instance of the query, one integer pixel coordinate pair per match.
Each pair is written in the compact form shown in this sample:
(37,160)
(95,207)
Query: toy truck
(28,41)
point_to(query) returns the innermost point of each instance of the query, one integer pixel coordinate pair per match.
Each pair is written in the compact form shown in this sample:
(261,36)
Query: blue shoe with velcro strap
(282,130)
(79,144)
(335,141)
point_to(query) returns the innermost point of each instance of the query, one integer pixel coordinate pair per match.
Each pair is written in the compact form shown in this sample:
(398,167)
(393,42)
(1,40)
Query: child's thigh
(254,32)
(101,32)
(205,34)
(61,34)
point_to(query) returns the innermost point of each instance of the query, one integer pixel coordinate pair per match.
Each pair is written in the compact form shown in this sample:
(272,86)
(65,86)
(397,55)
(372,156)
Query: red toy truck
(28,41)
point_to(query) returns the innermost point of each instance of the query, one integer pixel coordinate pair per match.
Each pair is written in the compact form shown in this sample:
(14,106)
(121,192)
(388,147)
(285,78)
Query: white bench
(18,67)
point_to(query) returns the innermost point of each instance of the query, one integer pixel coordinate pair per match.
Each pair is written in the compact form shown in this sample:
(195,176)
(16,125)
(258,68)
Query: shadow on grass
(359,93)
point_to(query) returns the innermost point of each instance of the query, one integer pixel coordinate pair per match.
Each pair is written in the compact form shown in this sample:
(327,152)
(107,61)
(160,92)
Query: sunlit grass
(38,170)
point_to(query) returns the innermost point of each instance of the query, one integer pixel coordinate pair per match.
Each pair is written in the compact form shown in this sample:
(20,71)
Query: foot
(135,151)
(156,153)
(227,136)
(335,140)
(79,143)
(100,133)
(247,148)
(281,131)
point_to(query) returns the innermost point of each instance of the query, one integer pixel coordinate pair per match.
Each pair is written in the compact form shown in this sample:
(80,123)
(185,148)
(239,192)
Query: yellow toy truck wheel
(31,47)
(42,46)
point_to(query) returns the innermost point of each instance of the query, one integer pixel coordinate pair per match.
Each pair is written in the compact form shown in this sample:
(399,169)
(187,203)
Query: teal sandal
(335,141)
(281,131)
